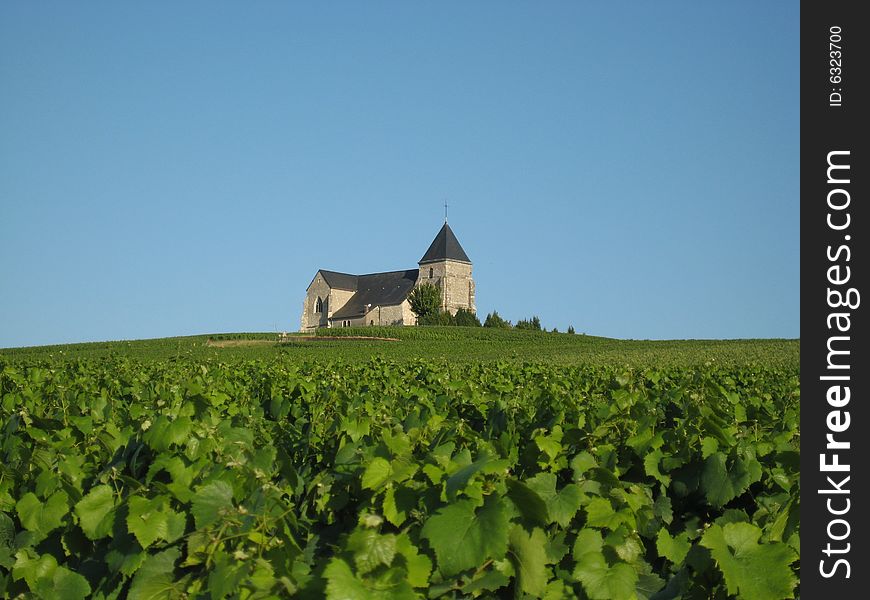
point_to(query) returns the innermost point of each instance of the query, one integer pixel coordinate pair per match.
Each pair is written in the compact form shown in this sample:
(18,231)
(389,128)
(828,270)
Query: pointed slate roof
(445,246)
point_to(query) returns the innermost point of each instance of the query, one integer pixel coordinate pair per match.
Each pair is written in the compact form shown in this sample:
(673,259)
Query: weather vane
(445,211)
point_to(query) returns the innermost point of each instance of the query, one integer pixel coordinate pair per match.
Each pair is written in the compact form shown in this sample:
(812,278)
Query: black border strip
(835,224)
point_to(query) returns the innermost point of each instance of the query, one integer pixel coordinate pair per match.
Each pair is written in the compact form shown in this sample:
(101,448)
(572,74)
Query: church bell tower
(446,266)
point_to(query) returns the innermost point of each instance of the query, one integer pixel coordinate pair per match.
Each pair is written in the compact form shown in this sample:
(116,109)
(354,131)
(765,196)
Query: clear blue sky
(170,168)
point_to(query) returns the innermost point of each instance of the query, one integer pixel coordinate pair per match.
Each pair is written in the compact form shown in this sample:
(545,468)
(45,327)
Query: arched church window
(318,308)
(431,272)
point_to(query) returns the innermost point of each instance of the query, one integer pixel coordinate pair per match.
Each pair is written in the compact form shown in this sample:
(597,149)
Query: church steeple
(445,246)
(447,266)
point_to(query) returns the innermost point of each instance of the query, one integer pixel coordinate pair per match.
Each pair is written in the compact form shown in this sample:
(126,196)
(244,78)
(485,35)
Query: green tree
(466,318)
(425,301)
(571,329)
(437,318)
(533,324)
(494,320)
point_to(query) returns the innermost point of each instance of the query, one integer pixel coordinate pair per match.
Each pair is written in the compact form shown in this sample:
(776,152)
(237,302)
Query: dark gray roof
(445,246)
(340,281)
(376,289)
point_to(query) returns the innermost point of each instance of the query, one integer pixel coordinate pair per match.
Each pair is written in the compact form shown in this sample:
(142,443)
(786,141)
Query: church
(336,299)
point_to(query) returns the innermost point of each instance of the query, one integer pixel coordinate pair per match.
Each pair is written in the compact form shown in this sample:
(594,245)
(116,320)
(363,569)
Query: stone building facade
(335,299)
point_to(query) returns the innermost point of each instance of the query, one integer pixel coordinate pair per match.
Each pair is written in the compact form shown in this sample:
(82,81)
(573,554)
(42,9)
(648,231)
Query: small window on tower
(318,307)
(431,272)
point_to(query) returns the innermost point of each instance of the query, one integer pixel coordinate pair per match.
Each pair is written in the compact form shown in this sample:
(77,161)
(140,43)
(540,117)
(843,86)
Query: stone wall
(384,315)
(455,281)
(333,299)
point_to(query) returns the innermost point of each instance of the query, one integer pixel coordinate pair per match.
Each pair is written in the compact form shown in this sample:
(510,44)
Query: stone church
(343,300)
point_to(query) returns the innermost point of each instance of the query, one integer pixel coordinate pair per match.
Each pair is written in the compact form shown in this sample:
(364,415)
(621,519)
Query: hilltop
(453,344)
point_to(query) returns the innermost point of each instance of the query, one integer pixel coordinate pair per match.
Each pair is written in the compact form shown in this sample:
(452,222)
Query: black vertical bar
(835,223)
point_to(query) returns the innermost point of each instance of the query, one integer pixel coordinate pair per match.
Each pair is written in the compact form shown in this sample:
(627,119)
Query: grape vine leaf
(651,466)
(464,538)
(418,565)
(155,579)
(150,520)
(674,548)
(96,512)
(341,584)
(530,557)
(47,579)
(561,505)
(211,502)
(371,549)
(722,485)
(752,570)
(377,472)
(42,518)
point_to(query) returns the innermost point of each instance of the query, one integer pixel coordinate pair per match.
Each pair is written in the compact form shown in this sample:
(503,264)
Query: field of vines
(266,478)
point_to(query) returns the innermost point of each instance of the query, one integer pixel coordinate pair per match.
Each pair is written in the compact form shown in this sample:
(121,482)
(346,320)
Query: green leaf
(47,579)
(7,531)
(341,584)
(226,576)
(398,501)
(582,463)
(376,474)
(96,512)
(150,520)
(588,542)
(600,580)
(604,582)
(709,445)
(722,485)
(211,502)
(371,549)
(464,538)
(531,505)
(560,506)
(752,570)
(530,558)
(42,518)
(125,555)
(418,565)
(673,548)
(457,482)
(565,504)
(65,585)
(600,513)
(155,579)
(651,466)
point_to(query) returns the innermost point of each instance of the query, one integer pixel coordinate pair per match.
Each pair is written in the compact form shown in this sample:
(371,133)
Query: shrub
(494,320)
(570,329)
(437,318)
(466,318)
(533,324)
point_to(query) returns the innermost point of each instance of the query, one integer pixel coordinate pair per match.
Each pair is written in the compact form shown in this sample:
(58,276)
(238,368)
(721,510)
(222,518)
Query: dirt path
(296,338)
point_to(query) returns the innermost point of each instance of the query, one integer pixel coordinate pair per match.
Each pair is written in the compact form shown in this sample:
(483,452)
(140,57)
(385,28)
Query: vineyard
(270,477)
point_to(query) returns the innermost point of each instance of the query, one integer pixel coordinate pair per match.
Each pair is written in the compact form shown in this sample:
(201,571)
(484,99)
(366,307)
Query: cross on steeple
(445,211)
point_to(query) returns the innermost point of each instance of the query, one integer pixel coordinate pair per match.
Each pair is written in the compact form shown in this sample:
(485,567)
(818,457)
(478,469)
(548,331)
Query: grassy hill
(452,344)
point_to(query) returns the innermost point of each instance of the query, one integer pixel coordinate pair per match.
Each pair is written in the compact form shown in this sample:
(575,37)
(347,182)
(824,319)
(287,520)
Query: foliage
(454,344)
(267,478)
(494,320)
(462,318)
(425,300)
(571,329)
(534,324)
(466,318)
